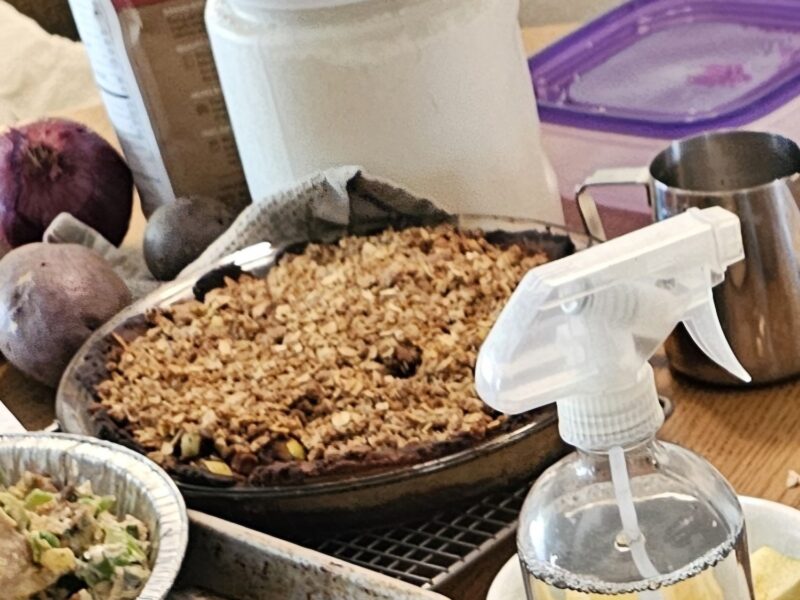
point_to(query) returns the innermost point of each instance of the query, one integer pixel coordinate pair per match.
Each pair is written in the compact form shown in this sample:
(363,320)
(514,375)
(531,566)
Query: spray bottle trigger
(703,326)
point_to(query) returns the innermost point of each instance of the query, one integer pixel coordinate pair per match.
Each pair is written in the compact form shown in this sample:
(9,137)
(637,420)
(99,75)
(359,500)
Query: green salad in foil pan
(67,543)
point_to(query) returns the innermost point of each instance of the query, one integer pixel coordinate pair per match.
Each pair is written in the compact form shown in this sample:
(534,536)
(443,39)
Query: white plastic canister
(432,94)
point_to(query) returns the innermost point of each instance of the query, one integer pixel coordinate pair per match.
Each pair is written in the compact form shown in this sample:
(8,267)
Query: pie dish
(325,505)
(348,358)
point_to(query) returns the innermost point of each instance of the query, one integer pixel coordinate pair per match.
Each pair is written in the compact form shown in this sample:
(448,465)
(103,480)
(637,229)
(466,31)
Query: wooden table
(751,435)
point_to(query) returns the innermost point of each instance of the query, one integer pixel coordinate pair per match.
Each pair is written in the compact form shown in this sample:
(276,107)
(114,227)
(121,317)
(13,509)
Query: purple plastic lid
(672,68)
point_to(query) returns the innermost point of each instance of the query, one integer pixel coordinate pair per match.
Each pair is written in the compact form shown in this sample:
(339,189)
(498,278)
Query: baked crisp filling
(359,352)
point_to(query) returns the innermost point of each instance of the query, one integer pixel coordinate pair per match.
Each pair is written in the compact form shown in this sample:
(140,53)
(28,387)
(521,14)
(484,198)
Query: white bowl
(768,524)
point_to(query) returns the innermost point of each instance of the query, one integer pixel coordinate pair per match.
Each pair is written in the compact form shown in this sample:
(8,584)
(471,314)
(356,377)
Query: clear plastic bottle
(625,515)
(571,534)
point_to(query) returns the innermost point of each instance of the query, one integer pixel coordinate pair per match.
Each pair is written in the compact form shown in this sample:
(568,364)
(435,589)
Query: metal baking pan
(352,502)
(225,561)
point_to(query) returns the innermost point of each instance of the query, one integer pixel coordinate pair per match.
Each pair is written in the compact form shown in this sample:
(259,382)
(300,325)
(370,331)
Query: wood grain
(537,38)
(31,402)
(751,435)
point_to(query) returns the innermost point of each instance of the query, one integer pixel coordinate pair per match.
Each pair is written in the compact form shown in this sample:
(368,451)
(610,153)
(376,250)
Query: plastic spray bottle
(625,514)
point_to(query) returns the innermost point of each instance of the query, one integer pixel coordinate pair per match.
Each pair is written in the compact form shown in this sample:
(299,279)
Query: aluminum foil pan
(142,489)
(350,502)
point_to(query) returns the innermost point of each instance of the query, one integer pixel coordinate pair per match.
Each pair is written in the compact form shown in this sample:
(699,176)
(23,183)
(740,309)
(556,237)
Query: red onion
(54,166)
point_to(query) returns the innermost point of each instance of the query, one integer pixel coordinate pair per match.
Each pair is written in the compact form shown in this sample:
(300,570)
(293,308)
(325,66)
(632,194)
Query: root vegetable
(178,232)
(52,297)
(54,166)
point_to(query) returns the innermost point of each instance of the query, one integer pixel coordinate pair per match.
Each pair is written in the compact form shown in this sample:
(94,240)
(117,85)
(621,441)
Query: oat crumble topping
(364,347)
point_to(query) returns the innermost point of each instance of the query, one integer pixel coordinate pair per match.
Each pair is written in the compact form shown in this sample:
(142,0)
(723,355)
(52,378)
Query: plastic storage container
(612,93)
(433,94)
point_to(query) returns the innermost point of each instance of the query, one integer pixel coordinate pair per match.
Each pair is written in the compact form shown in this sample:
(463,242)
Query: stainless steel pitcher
(757,177)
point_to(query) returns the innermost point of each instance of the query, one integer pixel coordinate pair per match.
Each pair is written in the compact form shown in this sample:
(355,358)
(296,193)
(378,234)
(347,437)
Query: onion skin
(54,166)
(52,297)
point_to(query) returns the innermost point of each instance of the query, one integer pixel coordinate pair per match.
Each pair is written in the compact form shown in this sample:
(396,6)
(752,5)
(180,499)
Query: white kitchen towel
(321,208)
(40,74)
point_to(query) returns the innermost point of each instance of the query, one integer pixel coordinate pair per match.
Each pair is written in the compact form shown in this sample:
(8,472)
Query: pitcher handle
(605,177)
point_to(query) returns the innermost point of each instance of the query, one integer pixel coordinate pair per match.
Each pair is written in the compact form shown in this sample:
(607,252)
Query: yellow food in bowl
(775,577)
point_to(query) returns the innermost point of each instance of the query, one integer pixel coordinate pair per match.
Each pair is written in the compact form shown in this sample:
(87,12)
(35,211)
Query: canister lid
(672,68)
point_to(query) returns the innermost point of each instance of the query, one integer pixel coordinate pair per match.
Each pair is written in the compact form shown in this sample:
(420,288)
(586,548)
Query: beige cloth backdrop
(40,73)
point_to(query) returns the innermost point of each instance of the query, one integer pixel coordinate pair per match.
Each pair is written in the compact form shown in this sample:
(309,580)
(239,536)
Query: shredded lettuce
(99,503)
(15,509)
(76,533)
(37,498)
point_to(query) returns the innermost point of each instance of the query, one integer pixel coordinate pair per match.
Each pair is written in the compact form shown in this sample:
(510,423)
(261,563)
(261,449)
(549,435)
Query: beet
(52,297)
(178,233)
(54,166)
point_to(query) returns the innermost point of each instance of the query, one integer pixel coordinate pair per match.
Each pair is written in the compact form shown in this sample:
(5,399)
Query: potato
(178,232)
(52,297)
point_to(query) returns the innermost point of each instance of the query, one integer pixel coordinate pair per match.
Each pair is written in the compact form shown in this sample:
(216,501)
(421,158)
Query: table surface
(751,435)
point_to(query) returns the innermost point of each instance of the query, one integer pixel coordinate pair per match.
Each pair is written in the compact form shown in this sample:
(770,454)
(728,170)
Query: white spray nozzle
(578,331)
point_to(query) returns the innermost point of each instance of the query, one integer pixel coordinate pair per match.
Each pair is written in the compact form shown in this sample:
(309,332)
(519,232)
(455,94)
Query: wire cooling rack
(428,552)
(433,552)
